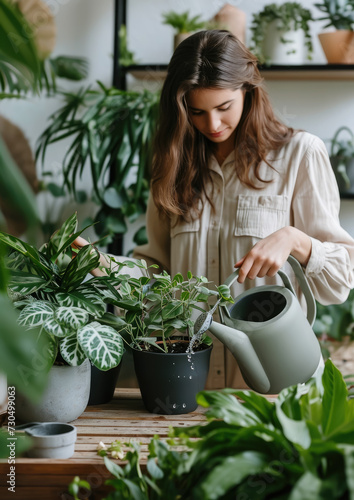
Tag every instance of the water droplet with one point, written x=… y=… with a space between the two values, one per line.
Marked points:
x=184 y=405
x=190 y=376
x=174 y=405
x=178 y=376
x=173 y=364
x=192 y=367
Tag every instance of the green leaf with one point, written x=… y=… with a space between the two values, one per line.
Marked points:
x=35 y=314
x=230 y=472
x=85 y=299
x=26 y=283
x=334 y=399
x=52 y=326
x=85 y=261
x=61 y=236
x=71 y=350
x=71 y=317
x=102 y=345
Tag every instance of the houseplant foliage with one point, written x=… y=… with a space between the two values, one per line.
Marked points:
x=161 y=305
x=18 y=37
x=112 y=130
x=299 y=447
x=337 y=13
x=49 y=288
x=183 y=22
x=342 y=158
x=289 y=16
x=17 y=348
x=337 y=45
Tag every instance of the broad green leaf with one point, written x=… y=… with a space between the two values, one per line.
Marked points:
x=71 y=350
x=295 y=430
x=27 y=283
x=102 y=345
x=349 y=469
x=35 y=314
x=71 y=317
x=334 y=399
x=88 y=300
x=172 y=310
x=230 y=472
x=311 y=487
x=227 y=407
x=52 y=326
x=255 y=402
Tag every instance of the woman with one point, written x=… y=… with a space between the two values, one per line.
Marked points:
x=232 y=186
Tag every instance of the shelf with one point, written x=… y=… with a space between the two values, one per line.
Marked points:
x=276 y=72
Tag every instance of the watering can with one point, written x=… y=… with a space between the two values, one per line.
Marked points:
x=268 y=333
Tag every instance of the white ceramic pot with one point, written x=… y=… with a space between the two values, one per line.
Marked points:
x=291 y=52
x=64 y=399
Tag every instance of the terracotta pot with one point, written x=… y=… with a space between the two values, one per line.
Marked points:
x=338 y=46
x=179 y=37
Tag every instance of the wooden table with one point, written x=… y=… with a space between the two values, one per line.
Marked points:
x=123 y=418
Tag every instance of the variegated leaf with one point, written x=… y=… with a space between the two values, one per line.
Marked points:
x=102 y=345
x=71 y=351
x=36 y=314
x=71 y=317
x=91 y=302
x=52 y=326
x=53 y=345
x=26 y=283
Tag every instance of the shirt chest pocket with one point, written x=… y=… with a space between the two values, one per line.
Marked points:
x=260 y=216
x=184 y=228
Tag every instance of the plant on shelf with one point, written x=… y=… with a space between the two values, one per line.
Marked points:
x=170 y=363
x=281 y=33
x=342 y=159
x=337 y=45
x=112 y=130
x=184 y=24
x=298 y=447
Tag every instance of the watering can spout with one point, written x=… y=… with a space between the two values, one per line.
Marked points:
x=240 y=346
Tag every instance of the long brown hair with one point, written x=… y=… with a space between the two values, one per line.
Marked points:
x=209 y=59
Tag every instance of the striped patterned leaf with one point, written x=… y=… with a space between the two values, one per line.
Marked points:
x=52 y=326
x=26 y=283
x=71 y=351
x=71 y=317
x=90 y=301
x=102 y=345
x=87 y=259
x=36 y=314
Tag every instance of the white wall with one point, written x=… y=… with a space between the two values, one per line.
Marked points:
x=85 y=28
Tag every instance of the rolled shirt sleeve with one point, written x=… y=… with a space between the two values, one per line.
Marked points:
x=315 y=209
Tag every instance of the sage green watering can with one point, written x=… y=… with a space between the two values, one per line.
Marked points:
x=268 y=333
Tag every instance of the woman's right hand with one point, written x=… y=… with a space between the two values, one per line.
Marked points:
x=78 y=244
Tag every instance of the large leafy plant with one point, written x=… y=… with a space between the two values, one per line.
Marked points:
x=289 y=16
x=301 y=447
x=161 y=305
x=111 y=130
x=337 y=13
x=50 y=289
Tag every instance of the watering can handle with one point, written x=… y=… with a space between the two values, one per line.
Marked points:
x=305 y=288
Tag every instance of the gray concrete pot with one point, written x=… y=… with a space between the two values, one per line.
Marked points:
x=64 y=399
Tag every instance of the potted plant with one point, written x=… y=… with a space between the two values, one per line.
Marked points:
x=111 y=130
x=183 y=24
x=337 y=45
x=49 y=289
x=281 y=34
x=296 y=447
x=170 y=363
x=342 y=159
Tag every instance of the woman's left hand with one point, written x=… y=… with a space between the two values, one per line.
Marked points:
x=268 y=255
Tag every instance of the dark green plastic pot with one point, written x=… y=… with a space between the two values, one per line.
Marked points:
x=170 y=382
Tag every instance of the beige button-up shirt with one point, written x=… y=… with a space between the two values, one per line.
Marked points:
x=303 y=193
